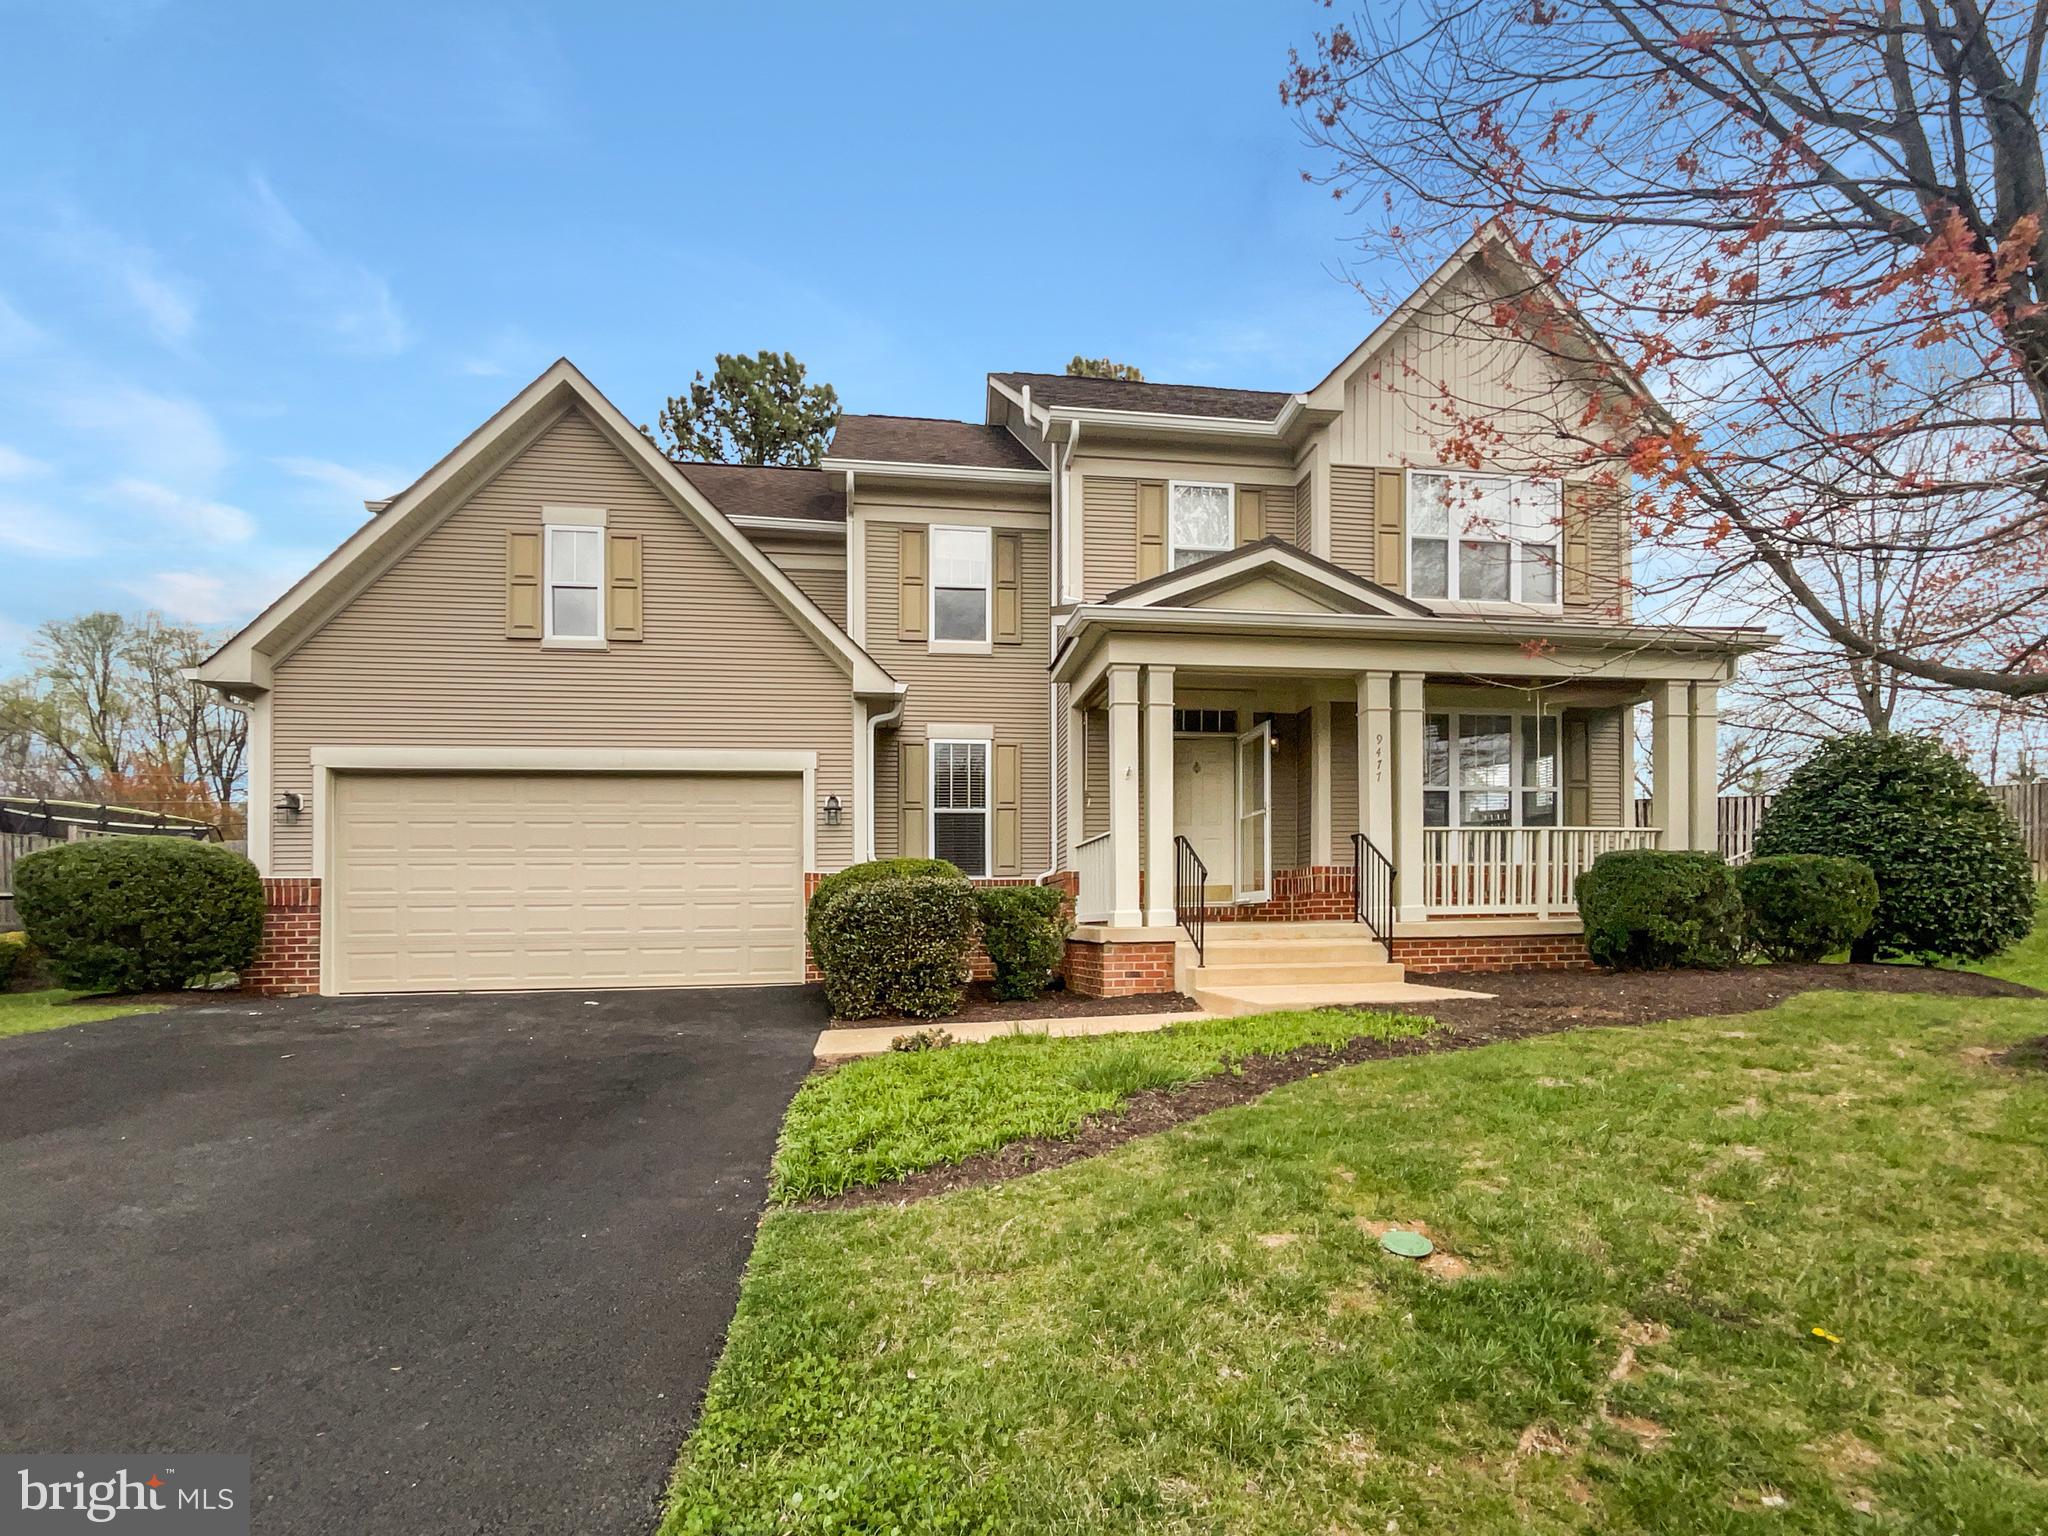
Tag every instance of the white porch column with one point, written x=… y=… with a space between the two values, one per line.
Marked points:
x=1376 y=758
x=1123 y=798
x=1159 y=797
x=1076 y=801
x=1322 y=827
x=1671 y=763
x=1406 y=810
x=1704 y=731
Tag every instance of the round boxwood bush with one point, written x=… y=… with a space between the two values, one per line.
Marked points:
x=853 y=875
x=1805 y=906
x=1644 y=910
x=896 y=944
x=140 y=914
x=1952 y=874
x=13 y=957
x=1024 y=931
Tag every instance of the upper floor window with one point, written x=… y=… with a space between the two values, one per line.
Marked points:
x=1201 y=520
x=575 y=583
x=1483 y=538
x=960 y=586
x=1490 y=770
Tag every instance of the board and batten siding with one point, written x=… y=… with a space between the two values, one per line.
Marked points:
x=420 y=656
x=1006 y=690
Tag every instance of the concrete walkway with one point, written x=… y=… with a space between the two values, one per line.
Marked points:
x=845 y=1044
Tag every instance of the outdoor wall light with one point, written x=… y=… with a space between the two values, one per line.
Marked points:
x=831 y=810
x=288 y=802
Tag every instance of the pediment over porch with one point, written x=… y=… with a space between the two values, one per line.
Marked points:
x=1269 y=575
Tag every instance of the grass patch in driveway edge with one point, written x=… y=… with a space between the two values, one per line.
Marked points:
x=883 y=1117
x=26 y=1013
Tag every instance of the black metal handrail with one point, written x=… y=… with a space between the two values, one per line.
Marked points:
x=1372 y=888
x=1190 y=892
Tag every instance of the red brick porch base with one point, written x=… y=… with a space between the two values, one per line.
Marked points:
x=288 y=960
x=1119 y=969
x=1492 y=952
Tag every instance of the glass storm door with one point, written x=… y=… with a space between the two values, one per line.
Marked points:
x=1255 y=813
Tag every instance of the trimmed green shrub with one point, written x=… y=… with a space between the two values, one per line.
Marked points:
x=140 y=914
x=1647 y=910
x=13 y=957
x=862 y=874
x=1024 y=931
x=897 y=945
x=1953 y=880
x=1805 y=906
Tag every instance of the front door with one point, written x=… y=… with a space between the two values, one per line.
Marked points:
x=1204 y=810
x=1255 y=813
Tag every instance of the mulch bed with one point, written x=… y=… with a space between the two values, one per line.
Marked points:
x=981 y=1005
x=148 y=999
x=1525 y=1004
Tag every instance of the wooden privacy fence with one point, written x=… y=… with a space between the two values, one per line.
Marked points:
x=1736 y=818
x=13 y=845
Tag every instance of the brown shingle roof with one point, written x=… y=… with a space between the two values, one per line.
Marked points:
x=927 y=440
x=750 y=490
x=1170 y=399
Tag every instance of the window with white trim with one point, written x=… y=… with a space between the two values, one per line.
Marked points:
x=1201 y=520
x=575 y=583
x=1483 y=538
x=960 y=586
x=959 y=804
x=1490 y=770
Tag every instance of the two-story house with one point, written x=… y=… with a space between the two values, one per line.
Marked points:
x=565 y=713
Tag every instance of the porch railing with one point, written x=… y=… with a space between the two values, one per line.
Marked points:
x=1488 y=871
x=1372 y=888
x=1191 y=893
x=1096 y=898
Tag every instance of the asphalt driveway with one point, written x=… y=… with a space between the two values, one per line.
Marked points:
x=452 y=1264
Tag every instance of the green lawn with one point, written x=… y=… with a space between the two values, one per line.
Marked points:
x=23 y=1013
x=1197 y=1332
x=2026 y=961
x=882 y=1117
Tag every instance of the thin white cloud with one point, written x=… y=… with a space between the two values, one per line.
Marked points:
x=171 y=439
x=16 y=465
x=194 y=516
x=346 y=299
x=511 y=351
x=190 y=597
x=358 y=484
x=165 y=302
x=32 y=529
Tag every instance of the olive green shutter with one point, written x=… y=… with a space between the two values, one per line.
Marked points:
x=1578 y=550
x=1151 y=529
x=1009 y=605
x=622 y=586
x=1388 y=525
x=1251 y=514
x=911 y=792
x=1008 y=839
x=1578 y=772
x=522 y=585
x=910 y=589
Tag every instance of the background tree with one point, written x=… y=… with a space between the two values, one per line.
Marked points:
x=1102 y=368
x=105 y=712
x=752 y=410
x=1774 y=209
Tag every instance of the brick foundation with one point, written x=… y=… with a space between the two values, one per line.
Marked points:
x=1493 y=952
x=1314 y=893
x=288 y=960
x=1119 y=970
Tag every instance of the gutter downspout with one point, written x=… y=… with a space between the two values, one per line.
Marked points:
x=866 y=826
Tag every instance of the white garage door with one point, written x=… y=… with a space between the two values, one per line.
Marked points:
x=515 y=882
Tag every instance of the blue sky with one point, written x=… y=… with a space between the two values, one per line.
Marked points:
x=261 y=261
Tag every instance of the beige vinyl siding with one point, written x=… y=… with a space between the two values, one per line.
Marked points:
x=1351 y=525
x=1290 y=804
x=1095 y=777
x=1344 y=782
x=420 y=656
x=1109 y=523
x=825 y=588
x=1279 y=513
x=1304 y=514
x=1006 y=690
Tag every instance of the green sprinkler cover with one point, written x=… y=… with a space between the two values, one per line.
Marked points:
x=1409 y=1245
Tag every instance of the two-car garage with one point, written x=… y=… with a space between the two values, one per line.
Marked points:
x=452 y=879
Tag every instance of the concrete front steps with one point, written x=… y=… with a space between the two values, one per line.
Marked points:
x=1255 y=967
